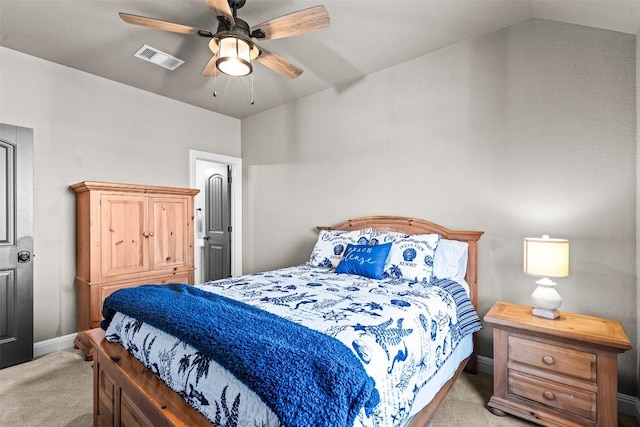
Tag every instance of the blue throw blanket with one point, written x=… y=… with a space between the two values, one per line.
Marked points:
x=305 y=377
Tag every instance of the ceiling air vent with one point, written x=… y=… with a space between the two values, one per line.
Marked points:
x=153 y=55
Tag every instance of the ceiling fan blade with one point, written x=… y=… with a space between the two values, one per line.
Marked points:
x=293 y=24
x=222 y=10
x=278 y=64
x=210 y=70
x=163 y=25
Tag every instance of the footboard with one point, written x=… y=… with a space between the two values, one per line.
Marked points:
x=125 y=393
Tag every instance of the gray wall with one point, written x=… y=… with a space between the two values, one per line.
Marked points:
x=89 y=128
x=526 y=131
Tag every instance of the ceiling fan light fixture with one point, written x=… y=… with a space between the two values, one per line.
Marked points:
x=235 y=56
x=232 y=44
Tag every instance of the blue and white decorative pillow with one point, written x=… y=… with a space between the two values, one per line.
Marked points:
x=411 y=256
x=365 y=260
x=331 y=245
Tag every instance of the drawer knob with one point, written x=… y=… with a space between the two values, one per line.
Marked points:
x=548 y=360
x=549 y=395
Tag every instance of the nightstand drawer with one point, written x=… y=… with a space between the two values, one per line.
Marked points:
x=571 y=400
x=560 y=360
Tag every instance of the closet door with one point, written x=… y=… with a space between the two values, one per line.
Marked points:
x=168 y=244
x=124 y=235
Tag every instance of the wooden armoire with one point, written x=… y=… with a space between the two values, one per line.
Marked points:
x=128 y=235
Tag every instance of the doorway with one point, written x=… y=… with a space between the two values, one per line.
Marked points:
x=217 y=231
x=201 y=166
x=16 y=245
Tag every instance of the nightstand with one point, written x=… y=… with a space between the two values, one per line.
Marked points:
x=561 y=372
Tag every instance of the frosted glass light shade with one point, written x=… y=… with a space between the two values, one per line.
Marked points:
x=234 y=57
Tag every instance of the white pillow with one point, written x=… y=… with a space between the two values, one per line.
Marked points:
x=331 y=244
x=450 y=260
x=411 y=256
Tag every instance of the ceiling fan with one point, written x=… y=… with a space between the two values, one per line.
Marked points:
x=232 y=44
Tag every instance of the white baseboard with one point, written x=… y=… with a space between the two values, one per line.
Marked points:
x=629 y=405
x=41 y=348
x=626 y=404
x=485 y=365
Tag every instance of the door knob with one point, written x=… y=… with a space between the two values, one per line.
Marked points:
x=24 y=256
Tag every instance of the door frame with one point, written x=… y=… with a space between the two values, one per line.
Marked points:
x=200 y=158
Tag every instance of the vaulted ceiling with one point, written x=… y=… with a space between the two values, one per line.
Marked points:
x=364 y=36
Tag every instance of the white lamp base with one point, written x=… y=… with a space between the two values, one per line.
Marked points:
x=546 y=299
x=546 y=313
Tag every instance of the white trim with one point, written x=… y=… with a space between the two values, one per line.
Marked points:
x=485 y=365
x=236 y=200
x=41 y=348
x=628 y=405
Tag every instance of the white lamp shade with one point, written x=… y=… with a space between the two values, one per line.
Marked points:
x=546 y=257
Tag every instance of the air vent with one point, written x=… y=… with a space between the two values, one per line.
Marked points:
x=153 y=55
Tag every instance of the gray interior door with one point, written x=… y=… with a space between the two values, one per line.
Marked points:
x=16 y=245
x=217 y=236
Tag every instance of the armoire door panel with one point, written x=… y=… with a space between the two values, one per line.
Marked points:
x=168 y=240
x=124 y=235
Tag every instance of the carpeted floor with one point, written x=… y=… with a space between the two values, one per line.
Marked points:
x=56 y=391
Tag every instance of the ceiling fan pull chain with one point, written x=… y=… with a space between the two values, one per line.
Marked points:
x=252 y=101
x=215 y=85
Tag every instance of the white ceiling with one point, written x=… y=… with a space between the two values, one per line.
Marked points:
x=365 y=36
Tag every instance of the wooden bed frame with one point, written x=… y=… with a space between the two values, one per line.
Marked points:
x=125 y=393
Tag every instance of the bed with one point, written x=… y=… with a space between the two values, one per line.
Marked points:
x=128 y=392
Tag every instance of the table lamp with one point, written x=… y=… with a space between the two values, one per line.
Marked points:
x=546 y=257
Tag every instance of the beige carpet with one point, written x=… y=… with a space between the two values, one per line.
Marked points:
x=55 y=391
x=465 y=405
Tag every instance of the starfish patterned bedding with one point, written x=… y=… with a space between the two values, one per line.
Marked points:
x=400 y=333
